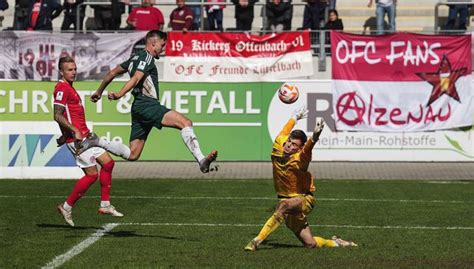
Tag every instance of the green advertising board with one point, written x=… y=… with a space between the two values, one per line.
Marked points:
x=229 y=117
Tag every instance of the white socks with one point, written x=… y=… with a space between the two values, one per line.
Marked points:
x=116 y=148
x=190 y=139
x=104 y=203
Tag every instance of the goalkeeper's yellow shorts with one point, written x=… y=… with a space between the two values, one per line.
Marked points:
x=297 y=222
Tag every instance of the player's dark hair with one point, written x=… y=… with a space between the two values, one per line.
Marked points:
x=300 y=135
x=156 y=33
x=65 y=59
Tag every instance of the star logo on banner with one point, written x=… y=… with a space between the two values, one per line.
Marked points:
x=443 y=81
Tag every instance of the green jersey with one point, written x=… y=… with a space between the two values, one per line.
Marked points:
x=148 y=85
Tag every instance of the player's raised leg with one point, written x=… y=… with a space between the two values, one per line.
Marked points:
x=177 y=120
x=107 y=165
x=114 y=147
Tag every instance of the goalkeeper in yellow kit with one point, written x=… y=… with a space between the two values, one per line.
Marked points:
x=294 y=186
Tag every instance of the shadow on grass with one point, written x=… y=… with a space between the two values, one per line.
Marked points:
x=56 y=226
x=134 y=234
x=124 y=234
x=272 y=245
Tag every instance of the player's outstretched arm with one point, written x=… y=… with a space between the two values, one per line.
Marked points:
x=117 y=71
x=298 y=114
x=127 y=87
x=318 y=129
x=308 y=146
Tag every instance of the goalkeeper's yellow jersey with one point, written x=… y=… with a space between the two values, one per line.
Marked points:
x=290 y=173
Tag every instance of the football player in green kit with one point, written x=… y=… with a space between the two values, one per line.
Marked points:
x=146 y=112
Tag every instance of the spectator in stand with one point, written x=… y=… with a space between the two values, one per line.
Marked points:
x=384 y=7
x=118 y=8
x=279 y=15
x=181 y=18
x=455 y=10
x=311 y=15
x=41 y=15
x=146 y=17
x=197 y=10
x=70 y=14
x=109 y=17
x=244 y=14
x=22 y=9
x=334 y=23
x=215 y=14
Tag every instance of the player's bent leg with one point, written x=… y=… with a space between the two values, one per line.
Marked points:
x=136 y=148
x=92 y=140
x=290 y=206
x=298 y=224
x=114 y=147
x=107 y=164
x=269 y=227
x=305 y=236
x=174 y=119
x=80 y=188
x=177 y=120
x=283 y=208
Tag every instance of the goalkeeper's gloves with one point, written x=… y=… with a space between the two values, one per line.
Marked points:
x=318 y=128
x=300 y=113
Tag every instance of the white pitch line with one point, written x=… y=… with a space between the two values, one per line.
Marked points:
x=314 y=225
x=77 y=249
x=244 y=198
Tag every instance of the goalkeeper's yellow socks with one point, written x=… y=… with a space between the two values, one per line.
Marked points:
x=270 y=226
x=321 y=242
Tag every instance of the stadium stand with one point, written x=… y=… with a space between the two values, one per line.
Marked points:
x=414 y=16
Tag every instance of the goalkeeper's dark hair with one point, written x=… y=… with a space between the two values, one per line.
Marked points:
x=156 y=33
x=300 y=135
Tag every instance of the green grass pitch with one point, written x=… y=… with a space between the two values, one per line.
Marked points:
x=173 y=223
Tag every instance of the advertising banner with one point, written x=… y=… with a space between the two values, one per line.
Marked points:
x=34 y=55
x=401 y=82
x=240 y=120
x=237 y=57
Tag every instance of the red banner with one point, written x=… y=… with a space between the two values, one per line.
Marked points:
x=401 y=82
x=396 y=57
x=228 y=57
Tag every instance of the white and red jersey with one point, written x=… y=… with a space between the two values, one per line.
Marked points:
x=65 y=95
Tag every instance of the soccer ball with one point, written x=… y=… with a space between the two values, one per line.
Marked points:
x=288 y=94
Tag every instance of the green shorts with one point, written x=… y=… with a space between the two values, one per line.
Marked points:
x=146 y=114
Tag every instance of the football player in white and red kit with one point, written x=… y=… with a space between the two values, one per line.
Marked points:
x=69 y=114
